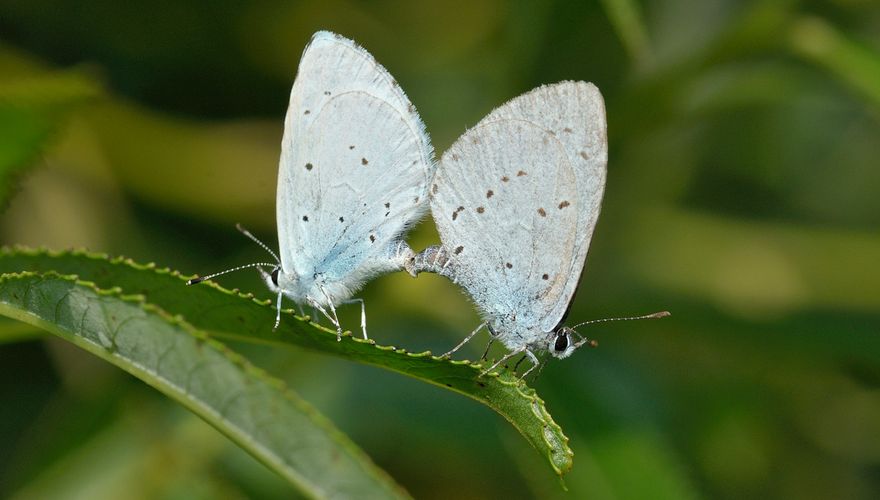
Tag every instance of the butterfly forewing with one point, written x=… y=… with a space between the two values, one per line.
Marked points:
x=355 y=162
x=505 y=204
x=574 y=112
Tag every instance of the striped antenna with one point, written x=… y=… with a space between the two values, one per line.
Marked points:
x=257 y=241
x=200 y=279
x=656 y=315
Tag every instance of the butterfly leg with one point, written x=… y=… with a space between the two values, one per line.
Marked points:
x=317 y=308
x=278 y=309
x=535 y=363
x=465 y=341
x=363 y=315
x=335 y=318
x=488 y=345
x=516 y=366
x=502 y=360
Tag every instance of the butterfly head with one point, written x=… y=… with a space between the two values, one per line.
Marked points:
x=271 y=277
x=561 y=344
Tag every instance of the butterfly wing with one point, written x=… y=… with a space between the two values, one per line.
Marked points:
x=515 y=202
x=574 y=112
x=355 y=164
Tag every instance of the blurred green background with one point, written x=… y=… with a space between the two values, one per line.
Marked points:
x=743 y=195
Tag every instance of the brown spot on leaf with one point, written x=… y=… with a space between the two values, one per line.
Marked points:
x=387 y=204
x=489 y=193
x=351 y=147
x=309 y=166
x=364 y=161
x=584 y=155
x=505 y=179
x=508 y=265
x=480 y=210
x=341 y=219
x=520 y=173
x=564 y=204
x=545 y=276
x=372 y=239
x=542 y=212
x=566 y=129
x=458 y=249
x=455 y=213
x=305 y=218
x=306 y=112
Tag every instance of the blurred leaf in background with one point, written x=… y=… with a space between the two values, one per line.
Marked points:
x=742 y=196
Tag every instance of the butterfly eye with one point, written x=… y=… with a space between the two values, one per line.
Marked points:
x=561 y=343
x=275 y=276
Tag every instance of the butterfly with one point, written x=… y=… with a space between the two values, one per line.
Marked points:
x=515 y=200
x=355 y=167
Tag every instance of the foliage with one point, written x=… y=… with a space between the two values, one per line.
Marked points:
x=742 y=196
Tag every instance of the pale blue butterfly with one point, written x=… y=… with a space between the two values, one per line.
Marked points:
x=515 y=201
x=355 y=167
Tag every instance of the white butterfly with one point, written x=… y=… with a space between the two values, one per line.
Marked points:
x=515 y=201
x=355 y=167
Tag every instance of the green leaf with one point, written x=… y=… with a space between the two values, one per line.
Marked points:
x=240 y=317
x=257 y=412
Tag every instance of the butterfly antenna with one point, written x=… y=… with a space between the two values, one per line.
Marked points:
x=656 y=315
x=200 y=279
x=257 y=241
